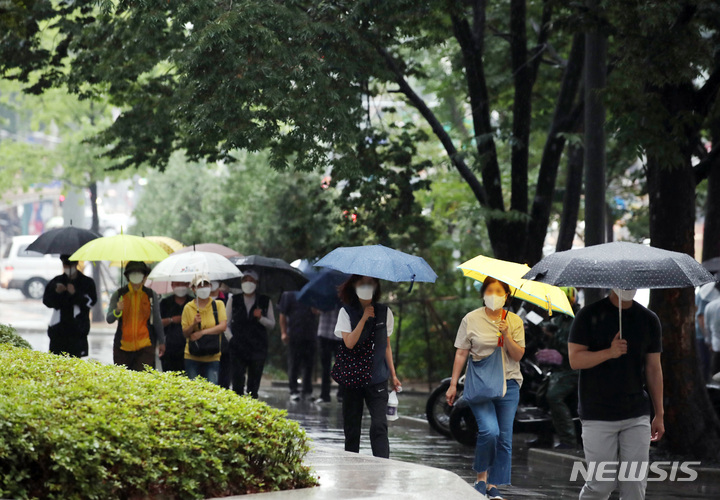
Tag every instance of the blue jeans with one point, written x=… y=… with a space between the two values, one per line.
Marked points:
x=209 y=370
x=493 y=450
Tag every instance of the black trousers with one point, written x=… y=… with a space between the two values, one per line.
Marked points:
x=301 y=358
x=715 y=363
x=376 y=398
x=254 y=369
x=328 y=349
x=225 y=377
x=173 y=363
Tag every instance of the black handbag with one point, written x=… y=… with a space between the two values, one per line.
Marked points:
x=207 y=345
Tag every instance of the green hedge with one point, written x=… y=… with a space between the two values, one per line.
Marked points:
x=79 y=429
x=8 y=335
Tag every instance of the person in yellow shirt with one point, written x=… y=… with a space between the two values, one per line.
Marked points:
x=203 y=323
x=136 y=308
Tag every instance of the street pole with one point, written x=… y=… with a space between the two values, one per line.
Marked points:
x=595 y=78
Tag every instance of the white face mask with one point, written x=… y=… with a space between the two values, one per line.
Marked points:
x=202 y=293
x=136 y=278
x=70 y=271
x=214 y=285
x=625 y=295
x=494 y=302
x=180 y=291
x=365 y=292
x=248 y=287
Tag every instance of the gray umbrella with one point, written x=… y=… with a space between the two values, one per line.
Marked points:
x=620 y=265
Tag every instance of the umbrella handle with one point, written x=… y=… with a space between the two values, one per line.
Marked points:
x=412 y=282
x=620 y=315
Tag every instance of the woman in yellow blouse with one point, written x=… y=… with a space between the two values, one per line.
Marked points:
x=203 y=318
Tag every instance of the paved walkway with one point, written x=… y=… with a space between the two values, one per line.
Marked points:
x=346 y=475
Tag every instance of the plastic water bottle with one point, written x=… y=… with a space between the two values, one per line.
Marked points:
x=392 y=406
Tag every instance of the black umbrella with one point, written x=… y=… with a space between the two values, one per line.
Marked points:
x=321 y=292
x=63 y=240
x=620 y=265
x=275 y=275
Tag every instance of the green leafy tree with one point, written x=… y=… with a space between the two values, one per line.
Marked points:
x=664 y=97
x=211 y=77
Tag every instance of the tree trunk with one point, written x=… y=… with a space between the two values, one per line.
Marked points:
x=711 y=232
x=571 y=199
x=97 y=310
x=522 y=107
x=595 y=76
x=672 y=227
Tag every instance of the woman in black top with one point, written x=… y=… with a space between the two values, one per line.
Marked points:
x=363 y=319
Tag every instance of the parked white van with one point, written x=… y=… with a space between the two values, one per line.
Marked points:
x=27 y=271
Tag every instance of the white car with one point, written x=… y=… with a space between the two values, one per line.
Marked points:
x=27 y=271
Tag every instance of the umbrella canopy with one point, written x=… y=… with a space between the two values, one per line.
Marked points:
x=620 y=265
x=275 y=275
x=379 y=262
x=321 y=292
x=170 y=245
x=122 y=247
x=185 y=266
x=546 y=296
x=62 y=240
x=211 y=247
x=306 y=267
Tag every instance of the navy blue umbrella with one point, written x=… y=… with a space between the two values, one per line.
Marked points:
x=379 y=262
x=321 y=292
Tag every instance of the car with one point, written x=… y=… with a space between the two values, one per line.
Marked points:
x=27 y=271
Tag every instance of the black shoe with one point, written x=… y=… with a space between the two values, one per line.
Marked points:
x=539 y=443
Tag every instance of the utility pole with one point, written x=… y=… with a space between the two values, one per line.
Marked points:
x=595 y=78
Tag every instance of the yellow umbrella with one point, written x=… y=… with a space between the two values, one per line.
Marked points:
x=170 y=245
x=546 y=296
x=121 y=247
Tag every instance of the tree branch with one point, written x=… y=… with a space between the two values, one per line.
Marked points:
x=471 y=45
x=437 y=128
x=711 y=161
x=707 y=94
x=542 y=40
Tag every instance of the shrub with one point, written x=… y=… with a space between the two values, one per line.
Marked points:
x=8 y=335
x=79 y=429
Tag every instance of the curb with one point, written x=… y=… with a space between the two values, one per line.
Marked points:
x=345 y=475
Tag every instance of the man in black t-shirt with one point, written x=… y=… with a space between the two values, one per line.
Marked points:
x=614 y=406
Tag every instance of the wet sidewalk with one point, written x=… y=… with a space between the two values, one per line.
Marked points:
x=350 y=475
x=536 y=473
